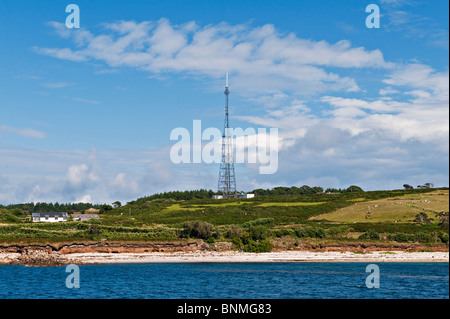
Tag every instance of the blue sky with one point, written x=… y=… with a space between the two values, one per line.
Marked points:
x=86 y=114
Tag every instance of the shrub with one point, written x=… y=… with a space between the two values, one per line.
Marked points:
x=259 y=221
x=443 y=237
x=423 y=237
x=258 y=247
x=337 y=231
x=217 y=234
x=401 y=237
x=197 y=229
x=280 y=232
x=93 y=231
x=370 y=234
x=9 y=217
x=234 y=231
x=312 y=232
x=237 y=242
x=301 y=232
x=258 y=232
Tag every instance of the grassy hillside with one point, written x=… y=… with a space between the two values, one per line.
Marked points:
x=401 y=209
x=408 y=216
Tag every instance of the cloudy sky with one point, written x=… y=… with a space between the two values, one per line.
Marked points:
x=86 y=114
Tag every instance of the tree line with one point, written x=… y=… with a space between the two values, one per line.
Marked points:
x=29 y=208
x=39 y=207
x=304 y=190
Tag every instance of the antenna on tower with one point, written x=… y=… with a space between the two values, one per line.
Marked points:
x=227 y=178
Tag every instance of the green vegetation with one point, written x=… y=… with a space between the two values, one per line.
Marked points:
x=29 y=208
x=304 y=214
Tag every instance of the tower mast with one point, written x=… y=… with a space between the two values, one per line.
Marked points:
x=227 y=178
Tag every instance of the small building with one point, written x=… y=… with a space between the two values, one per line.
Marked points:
x=49 y=217
x=82 y=217
x=245 y=195
x=217 y=197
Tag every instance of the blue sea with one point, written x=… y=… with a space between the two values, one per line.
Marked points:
x=228 y=280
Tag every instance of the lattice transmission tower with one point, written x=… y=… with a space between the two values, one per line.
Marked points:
x=227 y=177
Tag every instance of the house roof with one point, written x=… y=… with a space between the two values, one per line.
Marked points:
x=50 y=214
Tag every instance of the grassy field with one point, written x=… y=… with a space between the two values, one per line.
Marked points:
x=289 y=204
x=397 y=209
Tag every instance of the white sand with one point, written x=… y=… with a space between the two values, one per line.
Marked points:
x=232 y=256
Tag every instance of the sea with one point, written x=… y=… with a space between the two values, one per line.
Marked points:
x=227 y=281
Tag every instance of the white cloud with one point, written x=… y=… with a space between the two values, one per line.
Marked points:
x=24 y=132
x=124 y=186
x=80 y=177
x=259 y=58
x=57 y=85
x=79 y=99
x=84 y=199
x=65 y=54
x=388 y=91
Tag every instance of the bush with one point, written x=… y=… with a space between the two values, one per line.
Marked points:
x=311 y=232
x=281 y=232
x=260 y=221
x=337 y=231
x=423 y=237
x=234 y=231
x=264 y=246
x=258 y=232
x=370 y=234
x=443 y=237
x=9 y=217
x=197 y=229
x=401 y=237
x=237 y=242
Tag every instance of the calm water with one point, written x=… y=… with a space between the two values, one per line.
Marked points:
x=228 y=280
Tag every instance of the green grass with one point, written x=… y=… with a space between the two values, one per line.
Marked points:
x=340 y=216
x=289 y=204
x=398 y=209
x=357 y=200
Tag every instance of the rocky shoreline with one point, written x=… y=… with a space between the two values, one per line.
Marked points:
x=199 y=251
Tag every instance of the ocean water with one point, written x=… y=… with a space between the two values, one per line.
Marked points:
x=228 y=280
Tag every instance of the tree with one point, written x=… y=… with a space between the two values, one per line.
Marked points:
x=354 y=189
x=197 y=229
x=117 y=204
x=258 y=232
x=105 y=208
x=407 y=186
x=318 y=189
x=234 y=231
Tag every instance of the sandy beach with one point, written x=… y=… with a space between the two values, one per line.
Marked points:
x=234 y=256
x=198 y=252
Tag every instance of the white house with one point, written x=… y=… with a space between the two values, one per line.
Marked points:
x=245 y=195
x=50 y=217
x=236 y=196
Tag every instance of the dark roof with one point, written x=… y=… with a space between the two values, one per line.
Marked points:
x=51 y=214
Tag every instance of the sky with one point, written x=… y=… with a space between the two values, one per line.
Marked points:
x=86 y=113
